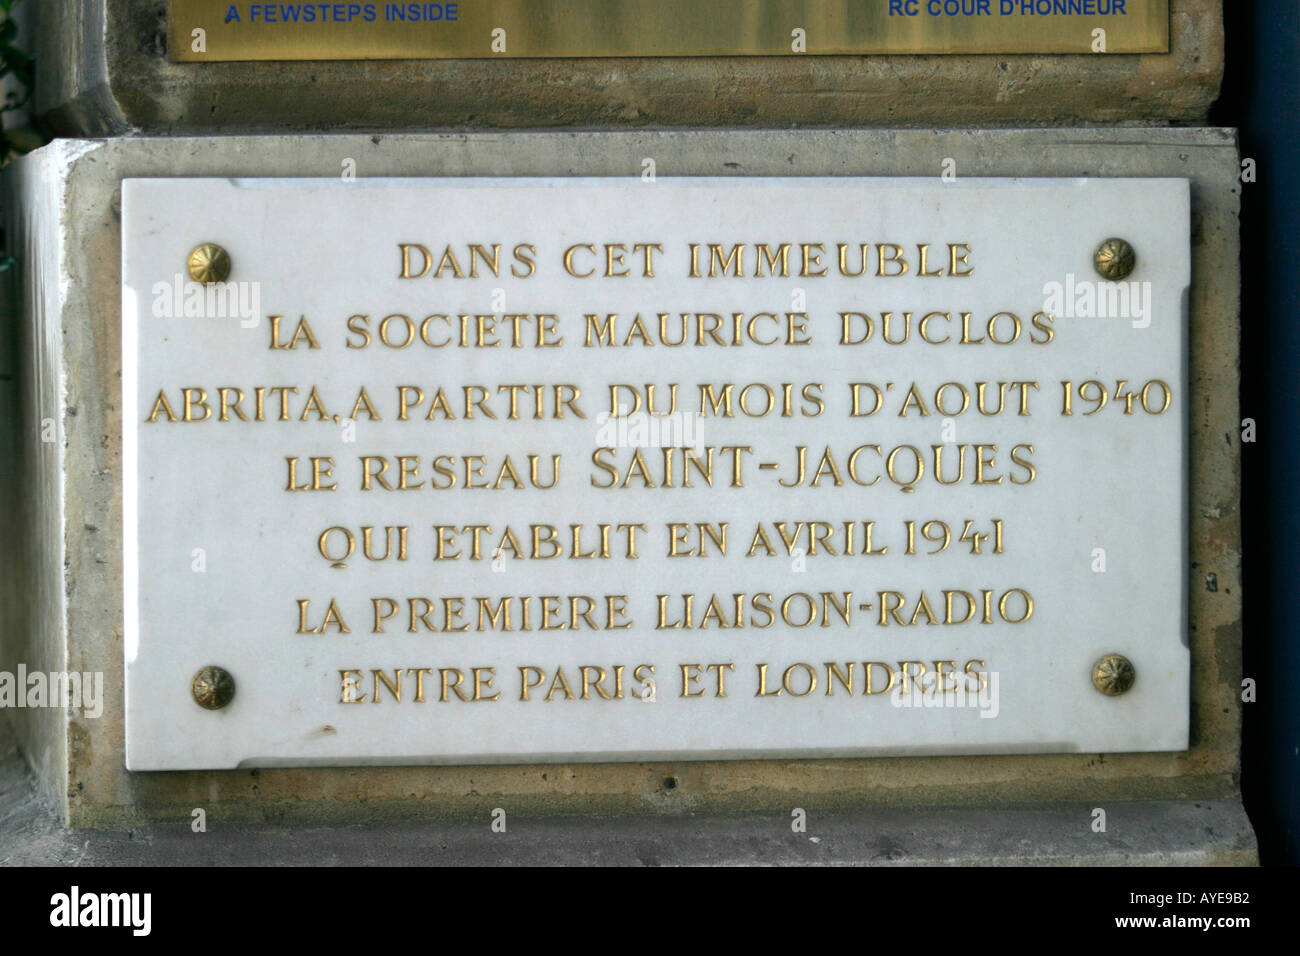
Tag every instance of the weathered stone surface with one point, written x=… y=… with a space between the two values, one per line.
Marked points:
x=71 y=509
x=33 y=626
x=104 y=69
x=1157 y=833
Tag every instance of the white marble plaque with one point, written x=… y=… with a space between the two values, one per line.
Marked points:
x=925 y=469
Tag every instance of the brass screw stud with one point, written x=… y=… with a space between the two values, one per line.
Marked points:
x=208 y=263
x=1113 y=675
x=213 y=688
x=1115 y=259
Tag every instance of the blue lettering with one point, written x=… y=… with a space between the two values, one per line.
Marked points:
x=958 y=8
x=1043 y=8
x=421 y=12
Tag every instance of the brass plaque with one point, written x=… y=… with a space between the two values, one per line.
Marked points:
x=202 y=30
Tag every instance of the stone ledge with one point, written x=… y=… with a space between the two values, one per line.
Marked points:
x=1156 y=833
